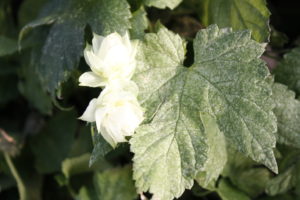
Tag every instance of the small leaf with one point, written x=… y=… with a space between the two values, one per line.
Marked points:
x=238 y=14
x=115 y=184
x=139 y=23
x=101 y=148
x=7 y=46
x=288 y=70
x=229 y=192
x=80 y=164
x=287 y=111
x=162 y=3
x=289 y=176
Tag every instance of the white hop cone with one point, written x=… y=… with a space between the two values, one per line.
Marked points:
x=116 y=111
x=111 y=57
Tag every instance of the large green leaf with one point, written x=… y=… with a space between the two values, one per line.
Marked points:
x=65 y=42
x=162 y=3
x=287 y=111
x=238 y=14
x=227 y=81
x=288 y=70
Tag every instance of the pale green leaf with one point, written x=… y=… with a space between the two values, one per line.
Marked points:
x=162 y=3
x=216 y=155
x=238 y=14
x=288 y=70
x=227 y=82
x=287 y=111
x=115 y=184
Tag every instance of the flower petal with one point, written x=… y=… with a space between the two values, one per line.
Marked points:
x=89 y=113
x=91 y=79
x=95 y=63
x=97 y=41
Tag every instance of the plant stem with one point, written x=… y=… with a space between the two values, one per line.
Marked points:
x=20 y=183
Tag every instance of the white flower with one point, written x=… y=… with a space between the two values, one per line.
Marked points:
x=111 y=57
x=116 y=111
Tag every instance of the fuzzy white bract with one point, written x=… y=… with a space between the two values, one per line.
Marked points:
x=111 y=57
x=116 y=111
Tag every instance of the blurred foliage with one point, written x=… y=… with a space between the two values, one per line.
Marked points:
x=46 y=153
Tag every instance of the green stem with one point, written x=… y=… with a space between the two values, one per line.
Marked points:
x=20 y=183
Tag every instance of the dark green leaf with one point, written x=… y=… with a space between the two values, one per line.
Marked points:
x=101 y=148
x=7 y=46
x=65 y=42
x=53 y=144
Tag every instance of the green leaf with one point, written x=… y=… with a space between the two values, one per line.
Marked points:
x=288 y=70
x=53 y=144
x=282 y=183
x=86 y=194
x=289 y=176
x=287 y=111
x=238 y=14
x=227 y=81
x=32 y=89
x=65 y=41
x=101 y=147
x=229 y=192
x=115 y=184
x=216 y=155
x=245 y=174
x=162 y=3
x=80 y=164
x=139 y=23
x=7 y=46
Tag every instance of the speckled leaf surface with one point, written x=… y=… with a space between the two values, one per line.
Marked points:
x=287 y=111
x=227 y=81
x=288 y=71
x=238 y=14
x=65 y=42
x=162 y=3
